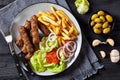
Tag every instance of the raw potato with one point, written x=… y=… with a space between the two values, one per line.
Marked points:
x=114 y=56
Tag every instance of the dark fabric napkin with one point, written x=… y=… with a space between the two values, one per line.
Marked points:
x=86 y=64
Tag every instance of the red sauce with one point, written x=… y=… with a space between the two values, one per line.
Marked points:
x=51 y=57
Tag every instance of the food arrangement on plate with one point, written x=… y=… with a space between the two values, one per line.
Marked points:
x=48 y=40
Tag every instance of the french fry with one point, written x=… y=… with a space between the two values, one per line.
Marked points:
x=71 y=30
x=50 y=15
x=65 y=36
x=62 y=14
x=75 y=31
x=45 y=18
x=65 y=31
x=57 y=29
x=42 y=21
x=73 y=37
x=63 y=23
x=59 y=23
x=54 y=12
x=63 y=41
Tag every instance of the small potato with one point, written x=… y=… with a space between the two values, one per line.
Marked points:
x=109 y=18
x=97 y=31
x=105 y=25
x=101 y=13
x=94 y=16
x=92 y=23
x=97 y=20
x=98 y=25
x=106 y=30
x=102 y=18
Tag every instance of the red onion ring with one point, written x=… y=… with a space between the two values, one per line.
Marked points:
x=64 y=53
x=66 y=47
x=73 y=48
x=57 y=53
x=51 y=37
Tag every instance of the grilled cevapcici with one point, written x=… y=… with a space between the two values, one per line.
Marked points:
x=29 y=37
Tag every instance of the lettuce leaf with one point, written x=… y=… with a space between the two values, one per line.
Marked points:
x=38 y=60
x=82 y=6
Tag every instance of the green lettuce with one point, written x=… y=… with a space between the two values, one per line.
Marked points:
x=82 y=6
x=38 y=60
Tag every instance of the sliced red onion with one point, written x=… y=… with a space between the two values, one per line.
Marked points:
x=57 y=53
x=73 y=48
x=64 y=53
x=51 y=37
x=47 y=43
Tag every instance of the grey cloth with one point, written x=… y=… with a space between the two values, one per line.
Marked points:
x=86 y=64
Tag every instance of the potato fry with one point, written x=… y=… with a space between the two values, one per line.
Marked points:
x=76 y=31
x=59 y=23
x=63 y=23
x=65 y=31
x=62 y=15
x=45 y=18
x=65 y=36
x=42 y=21
x=51 y=16
x=63 y=41
x=59 y=40
x=54 y=12
x=71 y=30
x=57 y=29
x=73 y=37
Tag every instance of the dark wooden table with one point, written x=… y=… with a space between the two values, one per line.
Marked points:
x=110 y=71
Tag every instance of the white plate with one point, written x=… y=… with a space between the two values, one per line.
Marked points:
x=34 y=9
